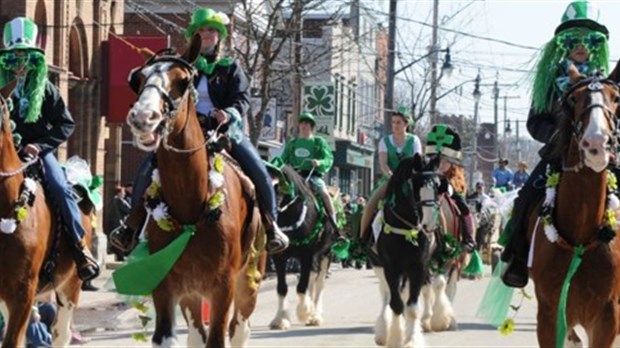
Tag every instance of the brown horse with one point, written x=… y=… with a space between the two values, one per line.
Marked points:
x=34 y=244
x=582 y=250
x=215 y=263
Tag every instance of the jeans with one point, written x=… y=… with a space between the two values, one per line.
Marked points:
x=59 y=189
x=250 y=162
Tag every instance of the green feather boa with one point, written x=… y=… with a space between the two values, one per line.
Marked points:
x=33 y=91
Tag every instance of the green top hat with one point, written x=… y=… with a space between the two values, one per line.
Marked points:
x=403 y=111
x=206 y=17
x=582 y=14
x=20 y=34
x=306 y=116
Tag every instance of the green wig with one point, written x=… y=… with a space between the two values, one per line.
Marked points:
x=32 y=92
x=549 y=64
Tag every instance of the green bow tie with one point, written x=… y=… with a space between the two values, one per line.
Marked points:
x=207 y=68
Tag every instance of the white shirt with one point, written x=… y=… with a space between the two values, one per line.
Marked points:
x=204 y=105
x=417 y=145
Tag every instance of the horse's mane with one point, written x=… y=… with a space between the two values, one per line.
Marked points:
x=297 y=180
x=402 y=173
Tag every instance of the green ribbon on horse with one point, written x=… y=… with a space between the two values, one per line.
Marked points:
x=145 y=271
x=474 y=267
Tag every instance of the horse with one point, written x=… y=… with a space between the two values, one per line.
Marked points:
x=405 y=230
x=35 y=254
x=224 y=258
x=310 y=242
x=574 y=251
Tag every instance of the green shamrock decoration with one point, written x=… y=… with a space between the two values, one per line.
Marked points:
x=440 y=137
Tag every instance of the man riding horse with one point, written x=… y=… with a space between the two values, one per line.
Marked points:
x=223 y=100
x=311 y=156
x=42 y=122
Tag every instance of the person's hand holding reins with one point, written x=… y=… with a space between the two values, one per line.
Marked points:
x=220 y=115
x=315 y=163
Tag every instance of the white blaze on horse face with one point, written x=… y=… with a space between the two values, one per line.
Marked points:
x=427 y=194
x=145 y=115
x=595 y=137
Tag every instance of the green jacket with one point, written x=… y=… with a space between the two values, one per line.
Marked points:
x=299 y=153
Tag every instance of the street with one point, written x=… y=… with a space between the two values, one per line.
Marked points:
x=351 y=304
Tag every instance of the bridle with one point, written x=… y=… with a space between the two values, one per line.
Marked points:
x=427 y=178
x=594 y=84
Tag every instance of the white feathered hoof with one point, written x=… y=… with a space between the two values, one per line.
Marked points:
x=381 y=330
x=314 y=320
x=305 y=307
x=281 y=324
x=426 y=324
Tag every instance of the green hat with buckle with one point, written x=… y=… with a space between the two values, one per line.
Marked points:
x=405 y=113
x=208 y=18
x=306 y=116
x=445 y=141
x=20 y=34
x=582 y=14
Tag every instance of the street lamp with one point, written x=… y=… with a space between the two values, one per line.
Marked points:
x=446 y=67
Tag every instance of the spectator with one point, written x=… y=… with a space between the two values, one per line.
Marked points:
x=119 y=208
x=521 y=175
x=502 y=175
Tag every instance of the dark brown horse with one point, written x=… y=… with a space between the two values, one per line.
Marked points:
x=216 y=262
x=24 y=252
x=582 y=251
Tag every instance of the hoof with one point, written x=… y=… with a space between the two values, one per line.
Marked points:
x=314 y=321
x=281 y=325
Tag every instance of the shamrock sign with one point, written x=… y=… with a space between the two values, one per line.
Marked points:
x=440 y=137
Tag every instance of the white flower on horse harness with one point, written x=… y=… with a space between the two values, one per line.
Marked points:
x=9 y=225
x=553 y=179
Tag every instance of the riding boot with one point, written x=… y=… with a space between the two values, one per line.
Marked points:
x=330 y=210
x=277 y=241
x=125 y=237
x=467 y=232
x=87 y=266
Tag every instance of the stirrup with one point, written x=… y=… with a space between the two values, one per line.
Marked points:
x=124 y=239
x=87 y=266
x=278 y=242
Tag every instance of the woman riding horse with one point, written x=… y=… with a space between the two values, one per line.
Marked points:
x=579 y=40
x=223 y=100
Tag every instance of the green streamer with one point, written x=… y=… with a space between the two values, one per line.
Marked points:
x=575 y=262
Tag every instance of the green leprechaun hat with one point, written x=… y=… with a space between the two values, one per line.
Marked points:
x=20 y=34
x=206 y=17
x=306 y=116
x=405 y=113
x=582 y=14
x=445 y=141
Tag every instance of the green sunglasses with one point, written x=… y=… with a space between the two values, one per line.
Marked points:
x=590 y=40
x=10 y=60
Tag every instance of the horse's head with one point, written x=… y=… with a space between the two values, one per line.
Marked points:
x=412 y=192
x=5 y=122
x=162 y=84
x=590 y=121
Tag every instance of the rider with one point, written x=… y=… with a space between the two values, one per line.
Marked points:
x=580 y=40
x=399 y=144
x=310 y=155
x=42 y=123
x=503 y=175
x=223 y=98
x=446 y=143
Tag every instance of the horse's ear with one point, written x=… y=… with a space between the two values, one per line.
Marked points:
x=615 y=74
x=418 y=162
x=193 y=49
x=7 y=90
x=575 y=75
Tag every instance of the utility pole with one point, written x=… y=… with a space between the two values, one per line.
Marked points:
x=297 y=84
x=506 y=97
x=518 y=140
x=474 y=158
x=496 y=86
x=434 y=52
x=388 y=106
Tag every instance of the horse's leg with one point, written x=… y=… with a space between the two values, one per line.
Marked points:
x=245 y=303
x=546 y=323
x=381 y=323
x=164 y=303
x=428 y=297
x=413 y=330
x=221 y=299
x=67 y=297
x=602 y=335
x=393 y=277
x=191 y=307
x=282 y=320
x=443 y=314
x=19 y=314
x=573 y=340
x=453 y=278
x=304 y=305
x=316 y=319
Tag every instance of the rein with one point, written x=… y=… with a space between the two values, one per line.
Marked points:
x=20 y=169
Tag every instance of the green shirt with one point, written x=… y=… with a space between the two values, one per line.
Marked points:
x=393 y=157
x=300 y=152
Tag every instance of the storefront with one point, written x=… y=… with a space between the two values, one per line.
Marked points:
x=353 y=168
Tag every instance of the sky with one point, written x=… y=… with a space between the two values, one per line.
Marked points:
x=525 y=25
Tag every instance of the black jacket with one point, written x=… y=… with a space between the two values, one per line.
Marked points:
x=228 y=87
x=54 y=126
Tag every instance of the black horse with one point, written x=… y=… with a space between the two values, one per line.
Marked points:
x=405 y=230
x=310 y=243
